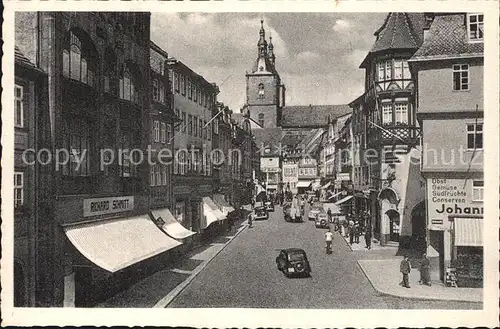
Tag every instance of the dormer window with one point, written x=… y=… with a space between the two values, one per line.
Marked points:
x=475 y=27
x=261 y=90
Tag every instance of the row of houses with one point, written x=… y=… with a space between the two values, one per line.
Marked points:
x=411 y=152
x=407 y=154
x=118 y=162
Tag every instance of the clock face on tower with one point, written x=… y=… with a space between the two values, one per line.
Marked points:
x=261 y=68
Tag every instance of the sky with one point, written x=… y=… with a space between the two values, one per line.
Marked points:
x=317 y=54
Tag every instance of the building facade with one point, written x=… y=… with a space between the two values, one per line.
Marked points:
x=391 y=130
x=450 y=109
x=32 y=185
x=194 y=100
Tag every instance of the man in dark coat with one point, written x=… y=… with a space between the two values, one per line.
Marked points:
x=368 y=238
x=424 y=271
x=405 y=269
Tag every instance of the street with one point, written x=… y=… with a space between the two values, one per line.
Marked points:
x=244 y=274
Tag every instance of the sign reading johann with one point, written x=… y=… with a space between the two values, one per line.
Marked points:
x=451 y=197
x=101 y=206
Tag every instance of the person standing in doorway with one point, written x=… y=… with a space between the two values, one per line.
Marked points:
x=405 y=269
x=424 y=270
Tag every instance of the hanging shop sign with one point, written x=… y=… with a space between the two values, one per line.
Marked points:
x=102 y=206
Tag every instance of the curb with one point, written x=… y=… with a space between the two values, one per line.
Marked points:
x=165 y=301
x=413 y=297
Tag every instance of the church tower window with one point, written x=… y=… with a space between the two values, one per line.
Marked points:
x=261 y=90
x=261 y=120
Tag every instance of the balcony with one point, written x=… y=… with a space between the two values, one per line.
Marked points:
x=396 y=133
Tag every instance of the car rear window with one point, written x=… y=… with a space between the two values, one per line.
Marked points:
x=296 y=257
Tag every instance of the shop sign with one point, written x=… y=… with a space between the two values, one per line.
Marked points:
x=450 y=197
x=102 y=206
x=271 y=169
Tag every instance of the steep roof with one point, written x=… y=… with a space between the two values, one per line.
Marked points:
x=311 y=116
x=268 y=138
x=265 y=63
x=399 y=31
x=22 y=60
x=447 y=38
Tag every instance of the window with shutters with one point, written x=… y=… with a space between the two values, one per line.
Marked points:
x=18 y=189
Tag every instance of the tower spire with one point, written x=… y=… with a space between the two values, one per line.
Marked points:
x=262 y=44
x=272 y=57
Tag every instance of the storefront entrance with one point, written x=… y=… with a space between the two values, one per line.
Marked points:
x=394 y=224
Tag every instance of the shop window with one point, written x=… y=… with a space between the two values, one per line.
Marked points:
x=18 y=106
x=461 y=77
x=475 y=136
x=478 y=190
x=18 y=189
x=475 y=27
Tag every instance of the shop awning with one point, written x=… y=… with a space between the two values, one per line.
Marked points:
x=210 y=216
x=334 y=195
x=344 y=200
x=326 y=185
x=304 y=183
x=224 y=205
x=468 y=232
x=208 y=201
x=172 y=227
x=119 y=243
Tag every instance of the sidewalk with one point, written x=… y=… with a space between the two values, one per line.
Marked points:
x=160 y=288
x=384 y=276
x=380 y=265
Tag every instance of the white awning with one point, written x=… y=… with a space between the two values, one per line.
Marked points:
x=172 y=227
x=119 y=243
x=341 y=201
x=210 y=216
x=211 y=204
x=326 y=185
x=334 y=195
x=304 y=183
x=468 y=232
x=227 y=209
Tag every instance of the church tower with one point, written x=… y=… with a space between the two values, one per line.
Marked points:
x=265 y=93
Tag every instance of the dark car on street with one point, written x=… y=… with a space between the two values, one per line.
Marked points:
x=261 y=213
x=293 y=261
x=270 y=206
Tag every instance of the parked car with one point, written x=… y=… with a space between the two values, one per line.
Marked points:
x=322 y=220
x=269 y=206
x=315 y=210
x=261 y=213
x=293 y=261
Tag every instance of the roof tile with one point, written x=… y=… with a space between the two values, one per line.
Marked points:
x=311 y=116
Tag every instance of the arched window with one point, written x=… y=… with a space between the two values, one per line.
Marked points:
x=79 y=60
x=128 y=86
x=261 y=119
x=261 y=90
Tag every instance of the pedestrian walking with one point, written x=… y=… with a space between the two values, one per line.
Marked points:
x=405 y=269
x=424 y=270
x=357 y=232
x=329 y=213
x=368 y=238
x=250 y=219
x=351 y=231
